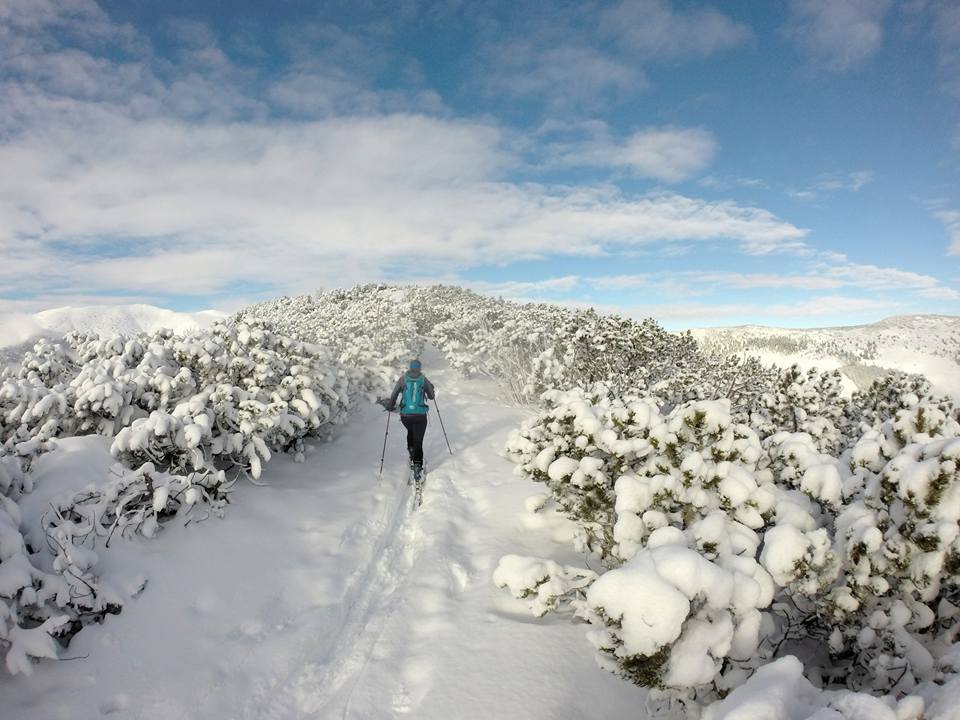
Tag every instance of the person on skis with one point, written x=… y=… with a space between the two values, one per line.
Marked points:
x=413 y=388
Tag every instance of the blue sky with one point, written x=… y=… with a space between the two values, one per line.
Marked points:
x=792 y=163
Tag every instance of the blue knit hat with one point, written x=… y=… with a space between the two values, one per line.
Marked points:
x=414 y=364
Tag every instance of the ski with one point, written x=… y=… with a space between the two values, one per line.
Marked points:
x=417 y=481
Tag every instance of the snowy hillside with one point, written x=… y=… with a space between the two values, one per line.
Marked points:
x=321 y=595
x=623 y=526
x=18 y=331
x=925 y=344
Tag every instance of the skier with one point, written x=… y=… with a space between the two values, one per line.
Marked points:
x=413 y=388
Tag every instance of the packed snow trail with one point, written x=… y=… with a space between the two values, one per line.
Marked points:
x=323 y=595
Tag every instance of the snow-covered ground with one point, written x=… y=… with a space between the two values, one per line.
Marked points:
x=18 y=331
x=324 y=595
x=925 y=344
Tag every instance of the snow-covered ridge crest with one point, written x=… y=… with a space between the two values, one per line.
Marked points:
x=17 y=328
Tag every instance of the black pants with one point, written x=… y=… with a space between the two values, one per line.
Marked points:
x=416 y=426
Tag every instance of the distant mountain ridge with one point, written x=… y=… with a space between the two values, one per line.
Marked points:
x=122 y=319
x=926 y=344
x=891 y=321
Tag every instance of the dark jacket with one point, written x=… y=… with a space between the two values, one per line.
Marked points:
x=398 y=388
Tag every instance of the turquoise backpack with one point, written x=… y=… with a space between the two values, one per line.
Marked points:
x=412 y=403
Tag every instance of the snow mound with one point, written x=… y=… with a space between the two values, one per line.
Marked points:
x=19 y=329
x=122 y=319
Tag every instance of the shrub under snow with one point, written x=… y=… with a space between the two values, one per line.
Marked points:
x=32 y=601
x=527 y=347
x=183 y=412
x=731 y=544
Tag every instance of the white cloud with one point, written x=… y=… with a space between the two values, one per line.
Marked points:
x=805 y=313
x=653 y=28
x=82 y=19
x=567 y=76
x=576 y=58
x=817 y=276
x=662 y=153
x=809 y=313
x=827 y=305
x=838 y=34
x=727 y=182
x=951 y=221
x=877 y=278
x=751 y=281
x=294 y=201
x=829 y=183
x=851 y=181
x=136 y=174
x=191 y=33
x=859 y=179
x=333 y=93
x=662 y=285
x=939 y=293
x=524 y=289
x=812 y=309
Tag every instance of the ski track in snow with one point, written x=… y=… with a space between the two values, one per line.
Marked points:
x=326 y=595
x=347 y=646
x=325 y=685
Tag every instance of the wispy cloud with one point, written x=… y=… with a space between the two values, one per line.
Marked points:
x=829 y=272
x=566 y=77
x=838 y=34
x=851 y=181
x=875 y=277
x=668 y=154
x=577 y=58
x=23 y=22
x=728 y=182
x=655 y=29
x=830 y=183
x=946 y=33
x=751 y=281
x=523 y=289
x=936 y=24
x=951 y=222
x=939 y=293
x=812 y=310
x=809 y=313
x=818 y=276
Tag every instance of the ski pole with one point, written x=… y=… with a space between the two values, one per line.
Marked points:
x=441 y=425
x=384 y=453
